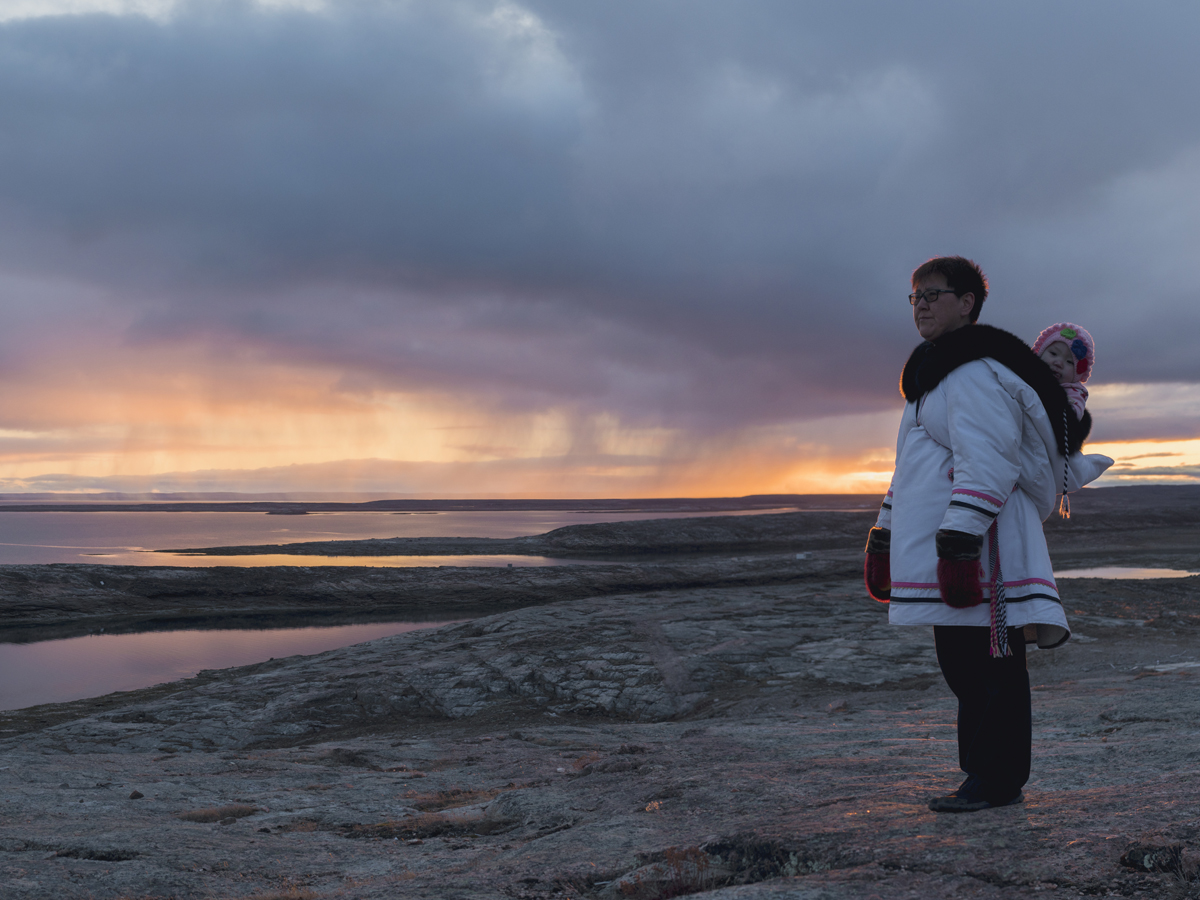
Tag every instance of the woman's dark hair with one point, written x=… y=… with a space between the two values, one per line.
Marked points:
x=962 y=275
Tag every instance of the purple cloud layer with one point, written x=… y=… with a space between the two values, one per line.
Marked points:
x=695 y=213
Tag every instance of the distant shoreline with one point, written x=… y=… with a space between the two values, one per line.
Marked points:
x=808 y=502
x=1116 y=496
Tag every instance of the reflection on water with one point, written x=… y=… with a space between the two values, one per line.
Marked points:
x=1123 y=572
x=141 y=558
x=116 y=538
x=75 y=668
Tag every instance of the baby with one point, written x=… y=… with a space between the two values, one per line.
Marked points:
x=1070 y=353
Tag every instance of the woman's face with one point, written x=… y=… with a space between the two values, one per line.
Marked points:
x=1061 y=360
x=947 y=313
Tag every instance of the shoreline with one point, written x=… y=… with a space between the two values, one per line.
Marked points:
x=661 y=539
x=651 y=554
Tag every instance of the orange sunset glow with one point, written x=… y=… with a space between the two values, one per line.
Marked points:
x=486 y=248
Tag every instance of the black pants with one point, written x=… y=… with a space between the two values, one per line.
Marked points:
x=995 y=729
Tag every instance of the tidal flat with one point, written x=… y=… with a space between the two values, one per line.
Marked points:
x=705 y=714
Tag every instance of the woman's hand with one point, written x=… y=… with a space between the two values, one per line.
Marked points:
x=877 y=571
x=958 y=570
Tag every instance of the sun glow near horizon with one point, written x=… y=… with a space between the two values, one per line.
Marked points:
x=421 y=445
x=1146 y=462
x=215 y=417
x=306 y=429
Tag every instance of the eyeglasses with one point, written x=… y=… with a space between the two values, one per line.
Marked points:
x=930 y=295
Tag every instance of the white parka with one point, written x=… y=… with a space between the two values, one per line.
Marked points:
x=978 y=448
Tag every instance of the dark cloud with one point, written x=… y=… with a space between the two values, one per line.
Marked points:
x=696 y=212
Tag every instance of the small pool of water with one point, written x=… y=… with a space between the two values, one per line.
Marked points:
x=98 y=664
x=200 y=560
x=1130 y=572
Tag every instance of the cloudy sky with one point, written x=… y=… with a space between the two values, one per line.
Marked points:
x=557 y=248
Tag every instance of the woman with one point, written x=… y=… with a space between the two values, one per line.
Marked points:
x=983 y=446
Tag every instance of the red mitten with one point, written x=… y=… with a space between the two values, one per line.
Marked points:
x=958 y=580
x=877 y=571
x=958 y=570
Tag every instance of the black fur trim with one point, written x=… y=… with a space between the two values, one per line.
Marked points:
x=958 y=546
x=932 y=361
x=879 y=540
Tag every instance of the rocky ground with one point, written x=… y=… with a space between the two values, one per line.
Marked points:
x=51 y=601
x=773 y=739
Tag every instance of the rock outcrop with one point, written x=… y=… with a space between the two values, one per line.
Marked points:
x=740 y=742
x=38 y=602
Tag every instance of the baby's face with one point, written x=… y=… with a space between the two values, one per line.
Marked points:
x=1061 y=360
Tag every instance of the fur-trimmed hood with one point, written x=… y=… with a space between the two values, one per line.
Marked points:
x=932 y=361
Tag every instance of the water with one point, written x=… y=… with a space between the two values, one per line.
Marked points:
x=98 y=664
x=124 y=538
x=75 y=668
x=1123 y=572
x=290 y=559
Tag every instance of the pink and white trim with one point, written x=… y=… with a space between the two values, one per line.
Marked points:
x=979 y=495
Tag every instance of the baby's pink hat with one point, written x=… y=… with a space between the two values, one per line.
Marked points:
x=1080 y=342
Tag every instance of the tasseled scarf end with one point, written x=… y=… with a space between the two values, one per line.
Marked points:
x=1064 y=505
x=999 y=608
